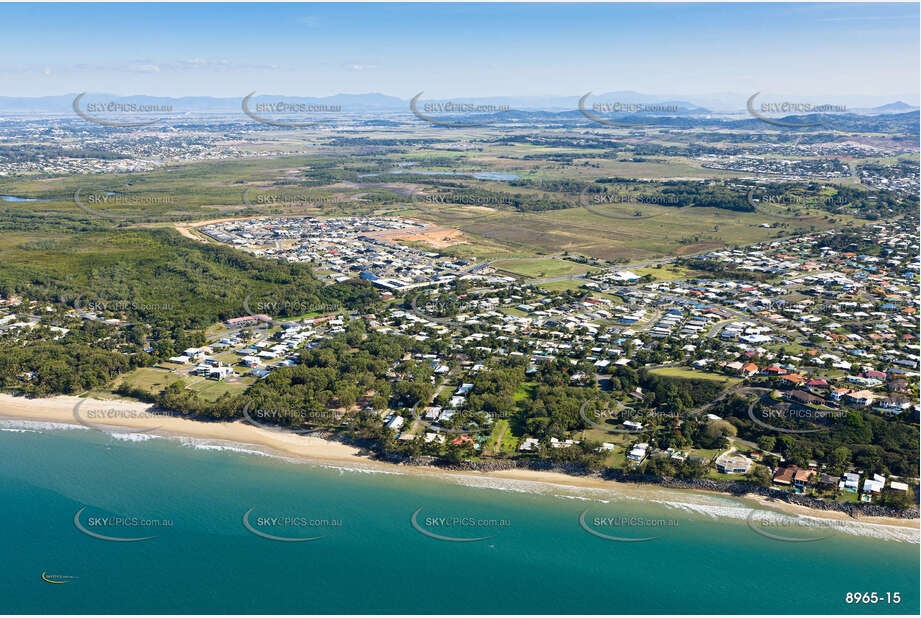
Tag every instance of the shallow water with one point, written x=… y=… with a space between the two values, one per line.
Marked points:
x=538 y=557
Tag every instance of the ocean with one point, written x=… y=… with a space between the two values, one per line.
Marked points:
x=217 y=521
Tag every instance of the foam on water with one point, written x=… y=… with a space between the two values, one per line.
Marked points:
x=206 y=444
x=356 y=468
x=132 y=437
x=590 y=494
x=19 y=426
x=857 y=528
x=704 y=505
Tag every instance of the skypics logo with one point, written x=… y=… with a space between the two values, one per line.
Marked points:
x=628 y=205
x=790 y=108
x=451 y=109
x=621 y=107
x=288 y=420
x=414 y=307
x=282 y=528
x=116 y=114
x=628 y=416
x=443 y=205
x=792 y=529
x=459 y=522
x=119 y=526
x=279 y=199
x=802 y=414
x=618 y=523
x=109 y=419
x=57 y=579
x=261 y=311
x=608 y=428
x=91 y=201
x=768 y=204
x=97 y=309
x=289 y=108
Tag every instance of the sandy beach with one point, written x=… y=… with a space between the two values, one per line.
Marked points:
x=124 y=415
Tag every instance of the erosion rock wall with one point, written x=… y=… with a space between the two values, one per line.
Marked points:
x=737 y=488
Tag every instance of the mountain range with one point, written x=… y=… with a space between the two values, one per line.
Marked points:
x=718 y=103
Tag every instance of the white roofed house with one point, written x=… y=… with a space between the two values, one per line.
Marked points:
x=861 y=398
x=638 y=452
x=850 y=481
x=220 y=373
x=874 y=485
x=529 y=444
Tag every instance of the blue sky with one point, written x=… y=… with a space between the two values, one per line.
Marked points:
x=457 y=50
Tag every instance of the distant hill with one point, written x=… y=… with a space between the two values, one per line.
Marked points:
x=898 y=106
x=563 y=110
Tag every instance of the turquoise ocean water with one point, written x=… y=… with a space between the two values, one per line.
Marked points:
x=370 y=558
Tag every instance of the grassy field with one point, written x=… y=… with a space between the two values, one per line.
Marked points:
x=524 y=391
x=562 y=286
x=667 y=272
x=212 y=390
x=577 y=230
x=542 y=269
x=201 y=191
x=149 y=379
x=494 y=442
x=688 y=374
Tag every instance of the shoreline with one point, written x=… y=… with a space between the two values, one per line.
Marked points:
x=135 y=416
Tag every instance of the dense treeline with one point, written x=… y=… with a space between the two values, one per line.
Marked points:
x=51 y=368
x=165 y=280
x=874 y=443
x=835 y=199
x=170 y=287
x=352 y=368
